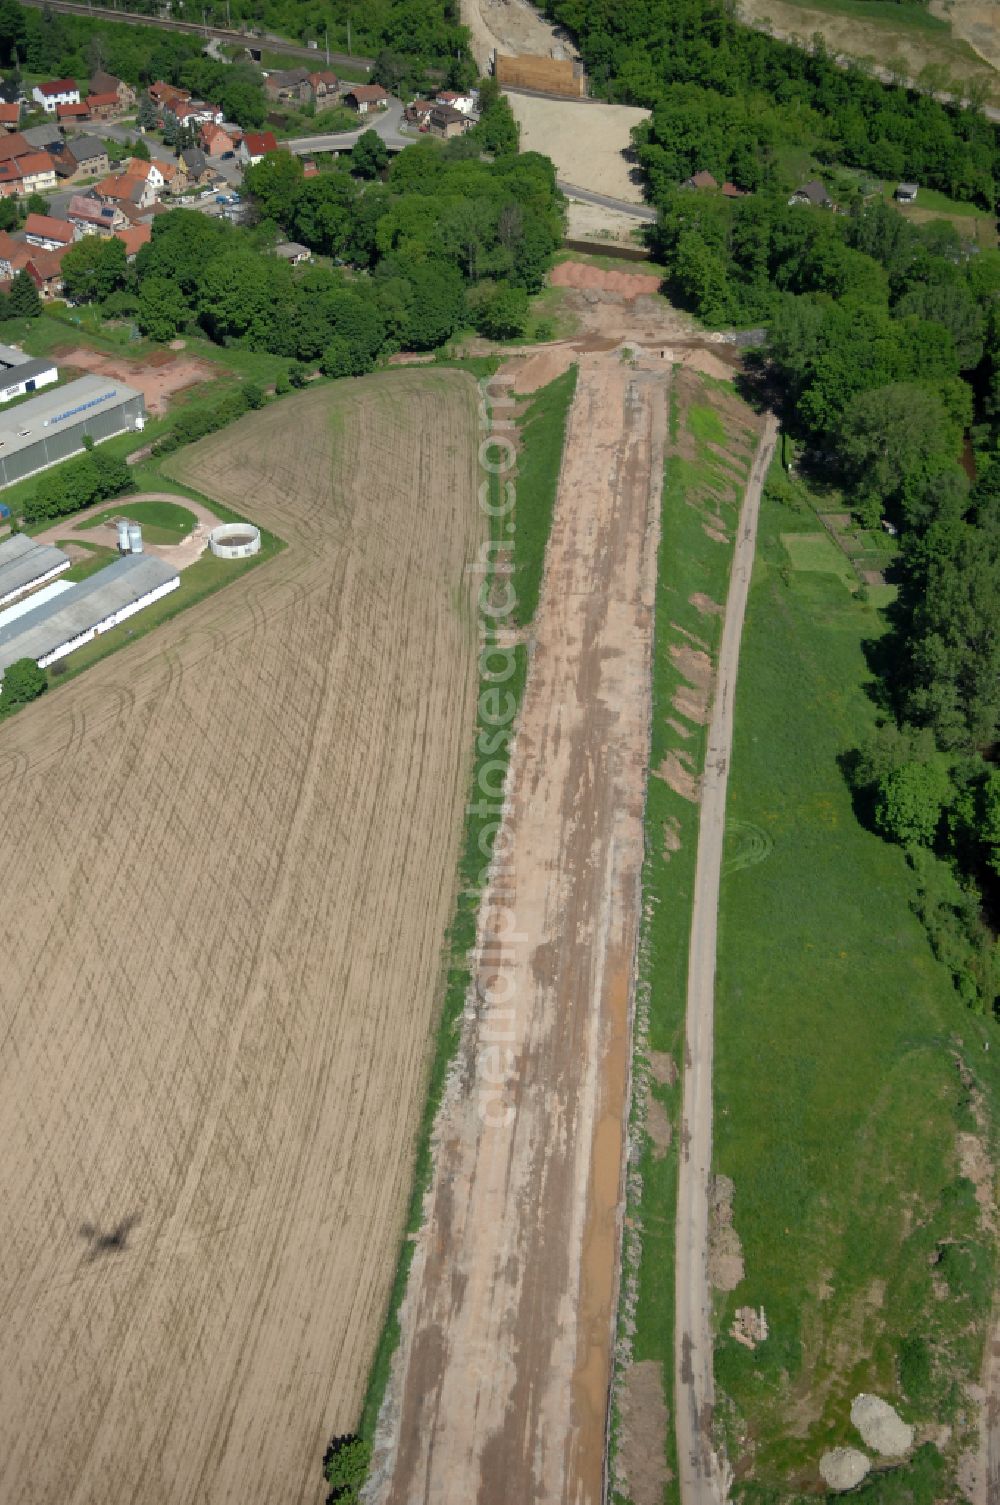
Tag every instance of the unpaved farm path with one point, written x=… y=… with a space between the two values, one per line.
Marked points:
x=500 y=1386
x=227 y=867
x=702 y=1475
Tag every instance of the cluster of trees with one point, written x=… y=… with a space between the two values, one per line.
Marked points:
x=727 y=98
x=92 y=478
x=59 y=45
x=446 y=239
x=23 y=681
x=194 y=422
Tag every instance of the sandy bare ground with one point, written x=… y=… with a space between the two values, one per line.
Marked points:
x=851 y=36
x=702 y=1475
x=514 y=27
x=180 y=555
x=500 y=1388
x=586 y=221
x=585 y=139
x=227 y=868
x=158 y=379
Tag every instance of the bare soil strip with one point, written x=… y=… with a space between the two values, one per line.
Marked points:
x=702 y=1474
x=500 y=1386
x=227 y=868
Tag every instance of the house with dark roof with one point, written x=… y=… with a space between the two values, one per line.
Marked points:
x=83 y=157
x=288 y=85
x=366 y=98
x=445 y=122
x=107 y=83
x=813 y=193
x=43 y=138
x=906 y=193
x=196 y=167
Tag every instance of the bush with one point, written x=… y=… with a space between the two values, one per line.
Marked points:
x=347 y=1461
x=282 y=384
x=298 y=374
x=253 y=395
x=22 y=682
x=77 y=484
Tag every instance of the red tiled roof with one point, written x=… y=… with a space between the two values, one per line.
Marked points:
x=48 y=264
x=258 y=143
x=98 y=101
x=72 y=112
x=13 y=146
x=367 y=93
x=133 y=237
x=58 y=86
x=10 y=112
x=49 y=227
x=35 y=162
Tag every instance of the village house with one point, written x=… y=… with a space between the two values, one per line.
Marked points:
x=123 y=188
x=291 y=251
x=92 y=216
x=287 y=86
x=107 y=83
x=44 y=138
x=906 y=193
x=199 y=112
x=103 y=106
x=153 y=173
x=38 y=173
x=255 y=146
x=309 y=167
x=813 y=193
x=60 y=91
x=83 y=157
x=702 y=180
x=216 y=141
x=325 y=87
x=166 y=97
x=133 y=238
x=48 y=232
x=14 y=256
x=45 y=270
x=197 y=170
x=366 y=99
x=418 y=111
x=10 y=115
x=465 y=104
x=72 y=114
x=730 y=191
x=445 y=122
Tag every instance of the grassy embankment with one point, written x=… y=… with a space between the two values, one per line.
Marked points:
x=838 y=1041
x=541 y=431
x=700 y=485
x=838 y=1091
x=162 y=522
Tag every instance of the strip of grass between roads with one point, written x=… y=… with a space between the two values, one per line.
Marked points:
x=536 y=457
x=690 y=562
x=839 y=1086
x=543 y=432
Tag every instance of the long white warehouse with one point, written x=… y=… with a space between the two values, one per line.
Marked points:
x=25 y=563
x=87 y=609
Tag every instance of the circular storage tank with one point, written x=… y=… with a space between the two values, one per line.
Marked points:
x=234 y=540
x=134 y=538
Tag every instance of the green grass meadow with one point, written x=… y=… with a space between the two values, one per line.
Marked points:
x=838 y=1036
x=542 y=431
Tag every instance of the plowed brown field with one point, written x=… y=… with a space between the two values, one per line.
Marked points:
x=227 y=866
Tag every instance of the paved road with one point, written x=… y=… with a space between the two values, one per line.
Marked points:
x=701 y=1474
x=387 y=124
x=268 y=43
x=637 y=211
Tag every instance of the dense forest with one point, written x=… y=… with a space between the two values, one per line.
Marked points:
x=729 y=99
x=882 y=355
x=425 y=34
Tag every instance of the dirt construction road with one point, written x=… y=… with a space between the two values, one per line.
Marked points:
x=500 y=1387
x=227 y=866
x=702 y=1475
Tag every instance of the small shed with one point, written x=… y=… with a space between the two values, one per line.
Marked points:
x=906 y=193
x=290 y=250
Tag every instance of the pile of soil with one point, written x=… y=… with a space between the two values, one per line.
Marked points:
x=579 y=274
x=843 y=1468
x=881 y=1426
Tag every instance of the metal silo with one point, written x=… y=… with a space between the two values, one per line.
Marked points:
x=135 y=538
x=123 y=535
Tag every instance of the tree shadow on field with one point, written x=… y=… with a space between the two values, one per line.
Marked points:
x=115 y=1241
